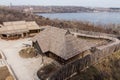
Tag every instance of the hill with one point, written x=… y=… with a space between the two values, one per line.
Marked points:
x=7 y=14
x=105 y=70
x=63 y=9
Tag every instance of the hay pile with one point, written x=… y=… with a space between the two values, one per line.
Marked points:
x=5 y=74
x=28 y=52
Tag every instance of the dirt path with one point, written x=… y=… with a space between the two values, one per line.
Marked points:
x=24 y=69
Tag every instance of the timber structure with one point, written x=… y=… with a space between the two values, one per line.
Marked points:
x=17 y=29
x=74 y=51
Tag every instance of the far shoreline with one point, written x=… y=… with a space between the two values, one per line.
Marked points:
x=71 y=12
x=98 y=18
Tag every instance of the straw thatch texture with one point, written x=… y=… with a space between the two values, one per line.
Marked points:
x=13 y=23
x=32 y=25
x=61 y=43
x=14 y=27
x=18 y=27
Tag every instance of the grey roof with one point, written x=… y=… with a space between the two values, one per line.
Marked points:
x=60 y=42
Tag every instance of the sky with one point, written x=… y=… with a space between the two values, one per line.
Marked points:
x=86 y=3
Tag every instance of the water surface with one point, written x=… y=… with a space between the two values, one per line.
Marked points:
x=99 y=17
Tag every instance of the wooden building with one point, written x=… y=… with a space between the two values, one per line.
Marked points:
x=33 y=28
x=16 y=29
x=59 y=44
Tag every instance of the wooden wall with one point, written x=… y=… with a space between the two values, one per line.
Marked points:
x=81 y=64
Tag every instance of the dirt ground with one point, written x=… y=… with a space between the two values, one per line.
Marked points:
x=94 y=41
x=5 y=74
x=24 y=69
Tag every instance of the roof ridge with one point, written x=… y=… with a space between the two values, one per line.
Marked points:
x=49 y=39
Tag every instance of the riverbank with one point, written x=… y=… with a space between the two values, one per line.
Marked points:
x=92 y=17
x=12 y=15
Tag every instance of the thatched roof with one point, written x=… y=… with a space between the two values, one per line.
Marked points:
x=60 y=42
x=14 y=27
x=14 y=23
x=32 y=25
x=18 y=27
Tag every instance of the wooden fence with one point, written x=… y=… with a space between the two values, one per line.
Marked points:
x=81 y=64
x=90 y=32
x=71 y=68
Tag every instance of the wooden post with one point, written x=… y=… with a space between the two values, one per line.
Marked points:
x=75 y=34
x=26 y=34
x=22 y=35
x=7 y=36
x=82 y=55
x=42 y=60
x=38 y=31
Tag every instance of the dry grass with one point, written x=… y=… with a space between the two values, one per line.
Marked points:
x=5 y=74
x=46 y=71
x=90 y=74
x=12 y=15
x=97 y=41
x=28 y=53
x=108 y=69
x=93 y=39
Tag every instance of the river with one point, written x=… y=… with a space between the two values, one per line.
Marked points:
x=98 y=17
